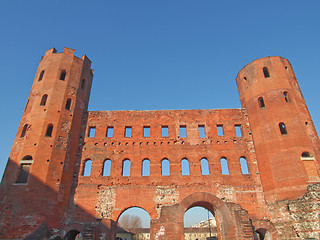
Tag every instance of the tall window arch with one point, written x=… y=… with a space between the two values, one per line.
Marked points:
x=44 y=100
x=106 y=168
x=244 y=166
x=41 y=76
x=286 y=96
x=283 y=129
x=145 y=167
x=68 y=104
x=83 y=83
x=126 y=165
x=49 y=130
x=24 y=130
x=165 y=167
x=224 y=166
x=87 y=168
x=185 y=167
x=63 y=75
x=261 y=102
x=266 y=72
x=24 y=169
x=204 y=166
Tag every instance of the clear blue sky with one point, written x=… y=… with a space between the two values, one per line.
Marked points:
x=177 y=54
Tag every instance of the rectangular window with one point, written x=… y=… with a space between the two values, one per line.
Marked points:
x=238 y=130
x=220 y=130
x=92 y=132
x=146 y=131
x=164 y=131
x=202 y=133
x=23 y=173
x=128 y=132
x=183 y=131
x=109 y=131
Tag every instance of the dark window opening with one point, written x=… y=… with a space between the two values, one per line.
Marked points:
x=109 y=131
x=220 y=130
x=68 y=104
x=286 y=96
x=164 y=131
x=83 y=82
x=41 y=76
x=266 y=72
x=238 y=130
x=23 y=173
x=146 y=131
x=128 y=132
x=49 y=130
x=44 y=100
x=92 y=132
x=63 y=75
x=183 y=131
x=24 y=130
x=306 y=154
x=261 y=102
x=282 y=128
x=201 y=131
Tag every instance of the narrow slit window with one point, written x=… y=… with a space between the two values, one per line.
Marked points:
x=41 y=76
x=146 y=131
x=83 y=83
x=164 y=131
x=220 y=130
x=126 y=165
x=49 y=130
x=283 y=129
x=128 y=132
x=109 y=131
x=87 y=168
x=244 y=166
x=146 y=167
x=165 y=167
x=92 y=132
x=63 y=75
x=286 y=96
x=261 y=102
x=224 y=166
x=68 y=104
x=185 y=167
x=266 y=72
x=201 y=131
x=44 y=100
x=238 y=130
x=204 y=166
x=106 y=168
x=183 y=131
x=24 y=130
x=25 y=108
x=23 y=173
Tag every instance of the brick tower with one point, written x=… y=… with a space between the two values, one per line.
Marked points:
x=284 y=135
x=37 y=181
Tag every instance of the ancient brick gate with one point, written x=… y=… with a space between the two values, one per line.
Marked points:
x=77 y=171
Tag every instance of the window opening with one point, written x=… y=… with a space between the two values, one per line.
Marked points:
x=164 y=131
x=185 y=167
x=224 y=166
x=106 y=168
x=83 y=83
x=183 y=131
x=68 y=104
x=109 y=131
x=261 y=102
x=87 y=168
x=238 y=130
x=244 y=166
x=146 y=131
x=165 y=167
x=49 y=130
x=220 y=130
x=286 y=96
x=44 y=100
x=63 y=75
x=283 y=129
x=23 y=173
x=92 y=132
x=126 y=164
x=266 y=72
x=25 y=108
x=41 y=76
x=24 y=130
x=201 y=131
x=146 y=167
x=128 y=132
x=204 y=166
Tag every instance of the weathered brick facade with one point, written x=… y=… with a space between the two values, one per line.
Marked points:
x=47 y=181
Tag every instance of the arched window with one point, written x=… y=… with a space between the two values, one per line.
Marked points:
x=146 y=167
x=44 y=100
x=266 y=72
x=165 y=167
x=106 y=168
x=87 y=168
x=306 y=155
x=185 y=167
x=24 y=169
x=83 y=83
x=41 y=76
x=63 y=75
x=286 y=96
x=261 y=102
x=224 y=166
x=283 y=129
x=68 y=104
x=49 y=130
x=204 y=166
x=126 y=165
x=244 y=166
x=24 y=130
